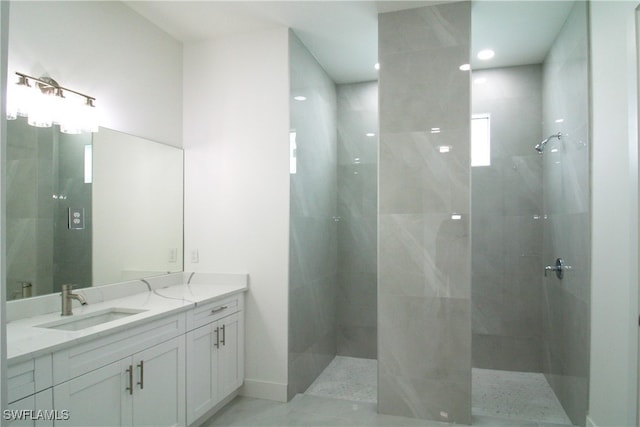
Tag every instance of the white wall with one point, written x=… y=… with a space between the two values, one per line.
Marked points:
x=108 y=51
x=614 y=286
x=236 y=141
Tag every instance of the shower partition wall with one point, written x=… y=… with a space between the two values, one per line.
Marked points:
x=566 y=302
x=424 y=283
x=313 y=229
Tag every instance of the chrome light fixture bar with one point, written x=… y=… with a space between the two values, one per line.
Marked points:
x=43 y=101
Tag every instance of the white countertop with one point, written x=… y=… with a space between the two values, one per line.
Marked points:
x=26 y=340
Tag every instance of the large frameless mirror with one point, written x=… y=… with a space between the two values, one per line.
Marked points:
x=89 y=209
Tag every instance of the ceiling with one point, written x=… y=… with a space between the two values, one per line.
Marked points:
x=343 y=35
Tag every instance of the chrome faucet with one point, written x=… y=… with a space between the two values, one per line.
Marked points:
x=67 y=296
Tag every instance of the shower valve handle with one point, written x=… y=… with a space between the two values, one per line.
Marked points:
x=559 y=268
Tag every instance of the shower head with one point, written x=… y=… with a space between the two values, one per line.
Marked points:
x=540 y=146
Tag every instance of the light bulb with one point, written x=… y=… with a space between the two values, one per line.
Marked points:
x=18 y=99
x=72 y=121
x=41 y=110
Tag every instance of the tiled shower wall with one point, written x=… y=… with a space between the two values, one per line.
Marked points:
x=424 y=283
x=566 y=302
x=313 y=228
x=507 y=223
x=357 y=209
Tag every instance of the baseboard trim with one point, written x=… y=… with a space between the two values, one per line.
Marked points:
x=590 y=422
x=264 y=390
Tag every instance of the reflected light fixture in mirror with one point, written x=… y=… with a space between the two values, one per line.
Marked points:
x=486 y=54
x=44 y=102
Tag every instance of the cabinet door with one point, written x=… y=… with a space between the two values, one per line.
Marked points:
x=97 y=398
x=159 y=392
x=202 y=371
x=26 y=412
x=230 y=357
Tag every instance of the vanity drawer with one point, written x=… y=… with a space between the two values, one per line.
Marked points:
x=27 y=378
x=91 y=355
x=212 y=311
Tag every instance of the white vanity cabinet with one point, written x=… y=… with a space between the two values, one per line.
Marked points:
x=172 y=369
x=29 y=391
x=29 y=407
x=215 y=356
x=135 y=377
x=145 y=389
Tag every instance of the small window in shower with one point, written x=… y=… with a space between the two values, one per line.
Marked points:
x=480 y=140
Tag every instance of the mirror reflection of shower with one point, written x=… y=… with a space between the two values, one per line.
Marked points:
x=541 y=145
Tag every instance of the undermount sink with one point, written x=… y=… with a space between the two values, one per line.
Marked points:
x=83 y=321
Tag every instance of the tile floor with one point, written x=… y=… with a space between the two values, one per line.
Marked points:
x=348 y=378
x=499 y=399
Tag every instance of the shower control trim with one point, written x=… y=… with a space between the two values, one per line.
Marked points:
x=559 y=268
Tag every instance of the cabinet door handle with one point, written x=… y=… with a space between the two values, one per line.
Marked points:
x=219 y=309
x=217 y=344
x=223 y=335
x=130 y=372
x=141 y=382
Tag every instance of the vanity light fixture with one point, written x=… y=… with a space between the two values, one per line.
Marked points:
x=45 y=103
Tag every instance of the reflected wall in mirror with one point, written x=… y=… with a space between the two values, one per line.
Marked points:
x=89 y=212
x=137 y=208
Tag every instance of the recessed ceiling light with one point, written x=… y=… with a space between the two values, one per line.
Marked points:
x=300 y=98
x=370 y=134
x=377 y=66
x=444 y=148
x=559 y=120
x=456 y=217
x=435 y=130
x=486 y=54
x=480 y=80
x=465 y=67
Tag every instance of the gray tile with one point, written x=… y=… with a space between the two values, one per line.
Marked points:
x=444 y=399
x=423 y=253
x=415 y=177
x=424 y=28
x=424 y=256
x=426 y=338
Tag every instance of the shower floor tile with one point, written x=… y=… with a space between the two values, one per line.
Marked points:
x=348 y=378
x=523 y=396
